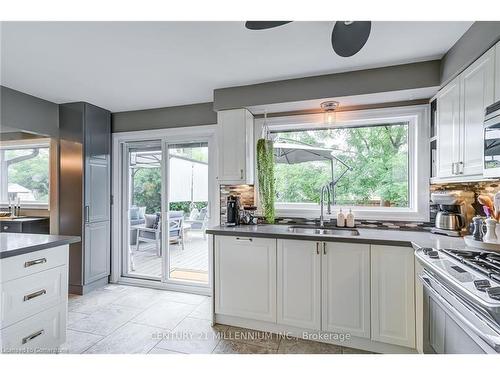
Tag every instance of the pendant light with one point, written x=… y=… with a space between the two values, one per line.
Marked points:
x=329 y=108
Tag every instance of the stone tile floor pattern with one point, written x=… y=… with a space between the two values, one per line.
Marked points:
x=126 y=320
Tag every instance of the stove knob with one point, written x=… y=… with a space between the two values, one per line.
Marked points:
x=433 y=254
x=426 y=250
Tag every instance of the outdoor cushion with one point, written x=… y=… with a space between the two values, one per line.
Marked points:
x=134 y=213
x=150 y=220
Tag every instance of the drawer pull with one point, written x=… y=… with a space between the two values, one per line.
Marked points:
x=243 y=239
x=35 y=262
x=33 y=336
x=34 y=295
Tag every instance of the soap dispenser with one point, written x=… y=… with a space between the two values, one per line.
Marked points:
x=340 y=219
x=349 y=219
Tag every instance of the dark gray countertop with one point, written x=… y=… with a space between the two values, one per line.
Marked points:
x=372 y=236
x=12 y=244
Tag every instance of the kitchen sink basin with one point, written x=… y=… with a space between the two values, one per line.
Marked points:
x=324 y=231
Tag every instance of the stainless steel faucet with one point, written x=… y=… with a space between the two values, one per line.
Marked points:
x=324 y=189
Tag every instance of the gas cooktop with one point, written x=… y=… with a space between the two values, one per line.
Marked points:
x=476 y=272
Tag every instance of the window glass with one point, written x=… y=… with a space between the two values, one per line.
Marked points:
x=306 y=160
x=27 y=172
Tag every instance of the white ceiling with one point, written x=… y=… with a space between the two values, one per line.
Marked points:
x=136 y=65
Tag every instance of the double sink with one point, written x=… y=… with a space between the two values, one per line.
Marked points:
x=326 y=231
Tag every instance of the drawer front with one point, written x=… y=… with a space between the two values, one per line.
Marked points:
x=28 y=264
x=42 y=333
x=22 y=298
x=11 y=227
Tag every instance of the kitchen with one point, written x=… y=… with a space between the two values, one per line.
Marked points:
x=350 y=211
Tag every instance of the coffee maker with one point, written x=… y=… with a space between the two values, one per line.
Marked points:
x=233 y=211
x=454 y=209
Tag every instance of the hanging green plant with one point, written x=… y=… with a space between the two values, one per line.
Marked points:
x=265 y=172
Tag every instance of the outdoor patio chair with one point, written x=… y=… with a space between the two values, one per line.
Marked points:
x=198 y=220
x=152 y=233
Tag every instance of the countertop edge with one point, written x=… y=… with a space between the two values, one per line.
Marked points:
x=64 y=240
x=295 y=236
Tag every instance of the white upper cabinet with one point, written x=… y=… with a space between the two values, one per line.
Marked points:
x=299 y=283
x=460 y=116
x=448 y=128
x=476 y=93
x=346 y=288
x=245 y=282
x=497 y=72
x=393 y=295
x=235 y=147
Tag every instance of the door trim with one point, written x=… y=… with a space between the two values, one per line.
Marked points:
x=208 y=132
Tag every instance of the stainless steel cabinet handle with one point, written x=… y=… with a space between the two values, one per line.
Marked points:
x=35 y=262
x=32 y=336
x=34 y=295
x=244 y=239
x=86 y=214
x=241 y=174
x=460 y=167
x=317 y=248
x=324 y=248
x=453 y=165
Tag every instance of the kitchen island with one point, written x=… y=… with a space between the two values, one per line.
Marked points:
x=34 y=292
x=359 y=291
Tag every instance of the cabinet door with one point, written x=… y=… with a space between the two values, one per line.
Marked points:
x=477 y=92
x=448 y=128
x=497 y=72
x=245 y=283
x=97 y=190
x=346 y=288
x=299 y=283
x=97 y=251
x=235 y=146
x=97 y=132
x=393 y=295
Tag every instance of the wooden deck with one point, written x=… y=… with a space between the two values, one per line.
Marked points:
x=189 y=264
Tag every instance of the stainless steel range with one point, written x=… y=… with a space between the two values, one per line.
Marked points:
x=461 y=300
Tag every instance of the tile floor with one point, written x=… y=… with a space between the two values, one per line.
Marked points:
x=126 y=320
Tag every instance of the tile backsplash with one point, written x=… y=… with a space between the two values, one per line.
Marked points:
x=247 y=196
x=245 y=192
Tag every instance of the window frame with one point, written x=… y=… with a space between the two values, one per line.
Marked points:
x=418 y=160
x=27 y=144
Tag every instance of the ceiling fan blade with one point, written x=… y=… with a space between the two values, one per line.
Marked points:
x=349 y=37
x=263 y=25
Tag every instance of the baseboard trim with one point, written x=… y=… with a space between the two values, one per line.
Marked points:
x=353 y=342
x=84 y=289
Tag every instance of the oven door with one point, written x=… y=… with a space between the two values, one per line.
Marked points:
x=451 y=326
x=491 y=161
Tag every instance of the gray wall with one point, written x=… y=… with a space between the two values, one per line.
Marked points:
x=160 y=118
x=28 y=113
x=480 y=37
x=392 y=78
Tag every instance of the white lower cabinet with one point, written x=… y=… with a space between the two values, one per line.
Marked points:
x=367 y=291
x=393 y=295
x=299 y=283
x=245 y=285
x=346 y=288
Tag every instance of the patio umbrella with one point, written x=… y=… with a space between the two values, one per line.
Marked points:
x=295 y=152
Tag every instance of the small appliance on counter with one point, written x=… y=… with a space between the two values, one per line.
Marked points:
x=454 y=211
x=233 y=210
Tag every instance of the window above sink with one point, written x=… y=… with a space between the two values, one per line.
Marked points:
x=386 y=149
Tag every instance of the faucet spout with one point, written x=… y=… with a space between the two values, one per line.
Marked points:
x=324 y=189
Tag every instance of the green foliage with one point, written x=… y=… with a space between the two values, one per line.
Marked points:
x=377 y=154
x=265 y=171
x=32 y=174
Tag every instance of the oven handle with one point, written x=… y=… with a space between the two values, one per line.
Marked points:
x=490 y=340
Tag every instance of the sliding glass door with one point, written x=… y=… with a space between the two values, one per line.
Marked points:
x=165 y=205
